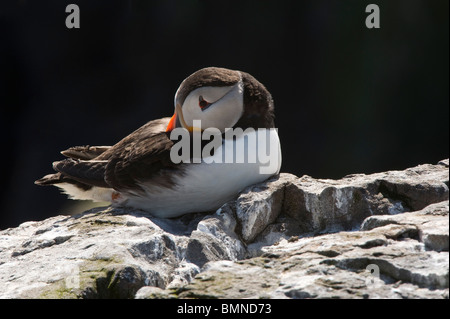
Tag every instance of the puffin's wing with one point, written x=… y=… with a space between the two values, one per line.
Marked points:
x=58 y=178
x=85 y=152
x=141 y=160
x=91 y=172
x=139 y=156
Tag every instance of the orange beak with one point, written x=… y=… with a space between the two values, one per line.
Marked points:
x=172 y=122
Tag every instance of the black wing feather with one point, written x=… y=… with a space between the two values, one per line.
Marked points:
x=58 y=178
x=141 y=160
x=87 y=172
x=85 y=152
x=141 y=156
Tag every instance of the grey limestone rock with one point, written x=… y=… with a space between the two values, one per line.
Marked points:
x=381 y=235
x=339 y=265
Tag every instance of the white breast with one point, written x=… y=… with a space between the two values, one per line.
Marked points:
x=207 y=186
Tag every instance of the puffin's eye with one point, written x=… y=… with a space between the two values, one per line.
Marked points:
x=202 y=102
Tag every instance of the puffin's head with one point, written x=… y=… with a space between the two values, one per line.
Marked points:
x=222 y=98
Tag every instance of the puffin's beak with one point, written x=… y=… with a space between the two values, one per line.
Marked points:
x=172 y=122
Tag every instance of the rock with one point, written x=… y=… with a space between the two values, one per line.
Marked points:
x=334 y=205
x=260 y=205
x=433 y=232
x=149 y=292
x=103 y=253
x=382 y=235
x=338 y=265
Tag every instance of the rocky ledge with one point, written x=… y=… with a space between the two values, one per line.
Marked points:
x=383 y=235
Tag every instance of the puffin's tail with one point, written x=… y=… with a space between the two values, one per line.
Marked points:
x=76 y=189
x=50 y=179
x=58 y=178
x=84 y=153
x=80 y=175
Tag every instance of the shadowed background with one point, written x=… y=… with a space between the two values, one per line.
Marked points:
x=348 y=99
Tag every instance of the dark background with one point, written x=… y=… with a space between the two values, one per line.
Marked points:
x=348 y=99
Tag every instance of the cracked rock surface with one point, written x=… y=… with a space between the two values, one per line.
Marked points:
x=382 y=235
x=338 y=265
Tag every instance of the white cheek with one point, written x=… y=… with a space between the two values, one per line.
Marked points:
x=191 y=110
x=222 y=114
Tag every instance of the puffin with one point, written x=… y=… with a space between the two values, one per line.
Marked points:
x=140 y=171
